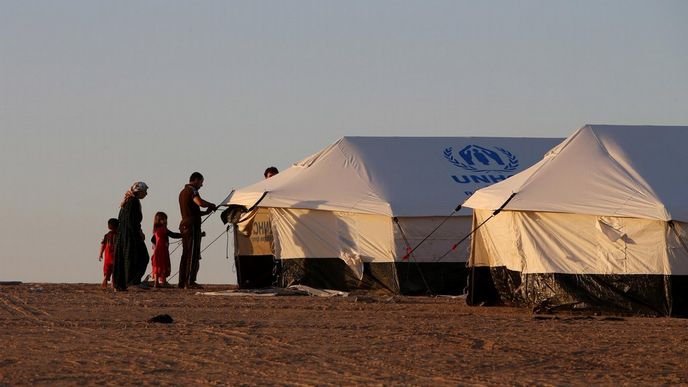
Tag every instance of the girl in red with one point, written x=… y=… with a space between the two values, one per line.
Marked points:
x=107 y=246
x=161 y=253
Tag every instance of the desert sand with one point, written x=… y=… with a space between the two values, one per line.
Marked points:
x=80 y=334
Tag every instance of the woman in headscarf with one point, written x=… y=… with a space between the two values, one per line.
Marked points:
x=131 y=254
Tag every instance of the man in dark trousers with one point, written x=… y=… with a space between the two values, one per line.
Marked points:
x=190 y=204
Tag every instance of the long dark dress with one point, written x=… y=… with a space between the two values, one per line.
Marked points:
x=131 y=254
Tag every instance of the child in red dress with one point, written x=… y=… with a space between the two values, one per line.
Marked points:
x=107 y=246
x=161 y=253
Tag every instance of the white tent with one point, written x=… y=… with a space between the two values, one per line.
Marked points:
x=347 y=216
x=600 y=222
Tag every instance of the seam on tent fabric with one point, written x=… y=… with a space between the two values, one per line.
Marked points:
x=625 y=171
x=532 y=176
x=284 y=203
x=365 y=181
x=310 y=160
x=549 y=156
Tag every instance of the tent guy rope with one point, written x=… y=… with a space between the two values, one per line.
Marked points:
x=412 y=257
x=497 y=211
x=457 y=209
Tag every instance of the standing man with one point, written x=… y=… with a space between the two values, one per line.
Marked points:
x=190 y=204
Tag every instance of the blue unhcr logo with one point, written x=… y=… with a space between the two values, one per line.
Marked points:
x=476 y=158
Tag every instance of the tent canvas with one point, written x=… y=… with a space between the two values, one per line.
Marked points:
x=345 y=217
x=600 y=222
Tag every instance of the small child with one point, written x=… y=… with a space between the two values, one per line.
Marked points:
x=161 y=253
x=107 y=246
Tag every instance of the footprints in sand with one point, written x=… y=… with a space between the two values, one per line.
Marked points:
x=231 y=336
x=19 y=308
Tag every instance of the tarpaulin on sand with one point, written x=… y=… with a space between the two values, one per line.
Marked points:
x=296 y=290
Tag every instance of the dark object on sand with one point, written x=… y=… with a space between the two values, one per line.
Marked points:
x=10 y=282
x=161 y=319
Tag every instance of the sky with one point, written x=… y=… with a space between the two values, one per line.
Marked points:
x=95 y=95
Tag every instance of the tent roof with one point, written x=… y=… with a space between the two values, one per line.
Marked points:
x=395 y=176
x=606 y=170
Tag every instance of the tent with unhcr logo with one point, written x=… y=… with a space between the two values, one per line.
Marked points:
x=347 y=217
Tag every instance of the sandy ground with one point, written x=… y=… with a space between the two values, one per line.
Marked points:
x=79 y=334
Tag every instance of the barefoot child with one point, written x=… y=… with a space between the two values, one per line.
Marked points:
x=161 y=253
x=107 y=246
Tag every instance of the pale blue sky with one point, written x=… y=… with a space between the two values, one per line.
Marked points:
x=95 y=95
